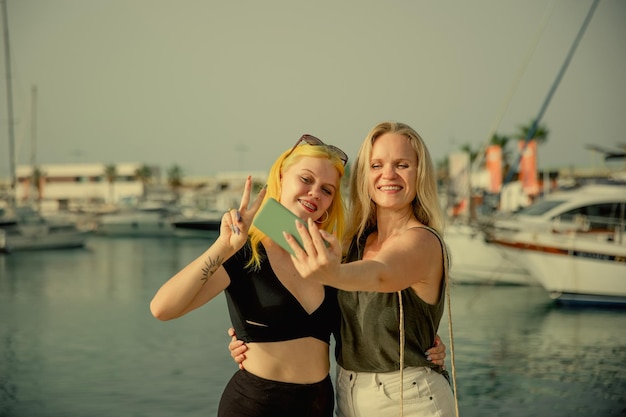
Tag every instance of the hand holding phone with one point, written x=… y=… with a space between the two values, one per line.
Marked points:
x=273 y=219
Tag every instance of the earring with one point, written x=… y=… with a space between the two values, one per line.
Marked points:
x=323 y=221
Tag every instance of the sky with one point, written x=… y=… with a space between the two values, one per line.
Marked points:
x=215 y=86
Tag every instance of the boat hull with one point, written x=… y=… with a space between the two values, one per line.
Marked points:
x=197 y=228
x=476 y=262
x=135 y=225
x=14 y=243
x=573 y=268
x=28 y=230
x=588 y=300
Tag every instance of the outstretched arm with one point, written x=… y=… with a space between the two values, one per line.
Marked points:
x=203 y=278
x=392 y=267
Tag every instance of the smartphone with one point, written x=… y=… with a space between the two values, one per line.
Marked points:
x=273 y=219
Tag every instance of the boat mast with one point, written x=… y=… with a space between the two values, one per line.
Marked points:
x=7 y=61
x=33 y=126
x=533 y=129
x=33 y=188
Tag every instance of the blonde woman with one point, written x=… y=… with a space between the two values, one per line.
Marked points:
x=394 y=272
x=285 y=320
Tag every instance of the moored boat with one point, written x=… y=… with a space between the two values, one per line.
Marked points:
x=149 y=219
x=26 y=229
x=203 y=226
x=573 y=242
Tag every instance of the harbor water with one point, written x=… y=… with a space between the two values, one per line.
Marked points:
x=77 y=340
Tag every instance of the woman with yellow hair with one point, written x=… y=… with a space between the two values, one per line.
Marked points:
x=285 y=321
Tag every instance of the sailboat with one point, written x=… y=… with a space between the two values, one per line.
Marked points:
x=26 y=229
x=474 y=258
x=23 y=227
x=571 y=240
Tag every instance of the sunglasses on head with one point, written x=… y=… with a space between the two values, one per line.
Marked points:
x=312 y=140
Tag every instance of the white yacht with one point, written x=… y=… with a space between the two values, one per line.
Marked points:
x=148 y=219
x=26 y=229
x=572 y=242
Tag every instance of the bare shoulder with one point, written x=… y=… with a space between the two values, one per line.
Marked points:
x=428 y=244
x=424 y=235
x=415 y=240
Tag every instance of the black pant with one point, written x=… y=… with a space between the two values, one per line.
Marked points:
x=251 y=396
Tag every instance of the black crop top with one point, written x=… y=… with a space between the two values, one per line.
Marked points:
x=263 y=310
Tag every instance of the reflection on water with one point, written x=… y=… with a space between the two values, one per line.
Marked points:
x=518 y=354
x=77 y=339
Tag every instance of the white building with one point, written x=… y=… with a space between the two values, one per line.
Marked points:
x=72 y=186
x=85 y=187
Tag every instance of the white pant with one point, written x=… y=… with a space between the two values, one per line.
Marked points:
x=365 y=394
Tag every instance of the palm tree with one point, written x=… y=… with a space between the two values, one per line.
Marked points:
x=110 y=172
x=500 y=140
x=144 y=174
x=175 y=179
x=540 y=134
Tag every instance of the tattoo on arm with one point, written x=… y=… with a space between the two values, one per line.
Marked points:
x=210 y=266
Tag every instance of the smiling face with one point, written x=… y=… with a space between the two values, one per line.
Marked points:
x=309 y=186
x=392 y=171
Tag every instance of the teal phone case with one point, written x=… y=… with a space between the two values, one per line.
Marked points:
x=273 y=219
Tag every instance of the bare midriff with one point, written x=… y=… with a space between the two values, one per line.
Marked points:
x=299 y=361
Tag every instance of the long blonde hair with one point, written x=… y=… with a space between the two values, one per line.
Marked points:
x=334 y=223
x=426 y=206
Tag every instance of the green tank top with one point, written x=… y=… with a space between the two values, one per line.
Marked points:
x=370 y=335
